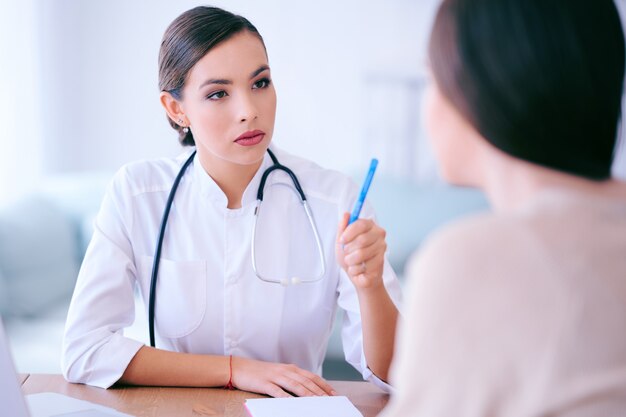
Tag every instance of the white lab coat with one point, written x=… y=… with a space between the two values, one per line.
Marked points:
x=208 y=299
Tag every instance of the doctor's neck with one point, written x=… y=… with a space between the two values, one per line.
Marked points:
x=232 y=178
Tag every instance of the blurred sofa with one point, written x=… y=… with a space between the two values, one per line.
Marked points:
x=43 y=237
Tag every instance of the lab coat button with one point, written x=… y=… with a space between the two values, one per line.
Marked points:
x=233 y=343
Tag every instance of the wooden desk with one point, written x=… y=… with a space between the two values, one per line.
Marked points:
x=154 y=401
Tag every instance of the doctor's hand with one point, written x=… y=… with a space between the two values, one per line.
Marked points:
x=277 y=379
x=360 y=251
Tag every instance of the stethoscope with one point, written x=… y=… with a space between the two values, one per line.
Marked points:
x=168 y=205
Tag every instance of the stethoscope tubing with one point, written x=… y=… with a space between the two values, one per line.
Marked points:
x=157 y=252
x=168 y=205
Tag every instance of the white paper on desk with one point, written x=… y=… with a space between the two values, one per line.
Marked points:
x=337 y=406
x=49 y=404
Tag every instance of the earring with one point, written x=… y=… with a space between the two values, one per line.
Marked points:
x=185 y=128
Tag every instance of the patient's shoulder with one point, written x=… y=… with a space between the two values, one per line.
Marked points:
x=477 y=236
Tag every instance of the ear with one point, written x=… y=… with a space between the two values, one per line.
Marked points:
x=173 y=108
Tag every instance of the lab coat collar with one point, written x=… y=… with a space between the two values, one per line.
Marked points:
x=212 y=191
x=250 y=193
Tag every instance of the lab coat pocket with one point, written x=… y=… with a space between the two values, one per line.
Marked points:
x=180 y=302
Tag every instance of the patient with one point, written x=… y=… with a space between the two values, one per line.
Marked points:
x=522 y=311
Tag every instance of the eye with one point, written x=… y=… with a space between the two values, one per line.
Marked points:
x=217 y=95
x=262 y=83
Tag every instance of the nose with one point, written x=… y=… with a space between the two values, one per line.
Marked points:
x=248 y=109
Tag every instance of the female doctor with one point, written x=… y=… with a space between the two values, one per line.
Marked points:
x=219 y=320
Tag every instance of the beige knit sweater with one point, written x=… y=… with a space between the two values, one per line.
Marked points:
x=514 y=315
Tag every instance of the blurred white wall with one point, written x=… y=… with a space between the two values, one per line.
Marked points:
x=619 y=165
x=79 y=83
x=86 y=78
x=20 y=122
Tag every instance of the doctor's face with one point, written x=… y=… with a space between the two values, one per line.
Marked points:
x=230 y=103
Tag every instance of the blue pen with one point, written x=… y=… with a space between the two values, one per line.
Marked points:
x=366 y=186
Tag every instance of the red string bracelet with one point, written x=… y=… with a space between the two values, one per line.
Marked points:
x=230 y=378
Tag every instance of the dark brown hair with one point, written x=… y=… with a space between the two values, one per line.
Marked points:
x=539 y=79
x=187 y=39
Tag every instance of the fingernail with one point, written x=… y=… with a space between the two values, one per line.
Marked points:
x=333 y=392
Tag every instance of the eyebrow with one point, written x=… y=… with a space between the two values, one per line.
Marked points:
x=223 y=81
x=259 y=70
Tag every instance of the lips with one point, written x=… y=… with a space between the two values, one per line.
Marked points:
x=250 y=138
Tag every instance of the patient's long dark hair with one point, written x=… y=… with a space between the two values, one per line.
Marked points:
x=539 y=79
x=187 y=39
